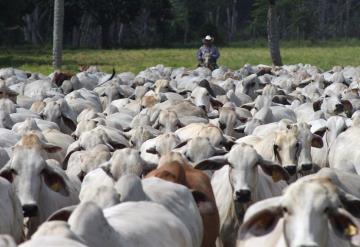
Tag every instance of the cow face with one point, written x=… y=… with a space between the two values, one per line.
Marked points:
x=333 y=105
x=200 y=148
x=227 y=120
x=286 y=149
x=307 y=209
x=243 y=176
x=31 y=176
x=167 y=121
x=201 y=98
x=306 y=140
x=60 y=113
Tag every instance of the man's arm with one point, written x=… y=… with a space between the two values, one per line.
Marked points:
x=215 y=53
x=199 y=55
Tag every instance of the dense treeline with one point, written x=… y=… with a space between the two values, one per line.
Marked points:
x=149 y=23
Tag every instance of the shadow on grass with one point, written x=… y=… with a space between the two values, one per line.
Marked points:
x=17 y=61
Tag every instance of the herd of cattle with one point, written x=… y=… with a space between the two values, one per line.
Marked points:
x=172 y=157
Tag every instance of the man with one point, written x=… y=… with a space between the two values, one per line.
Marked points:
x=208 y=54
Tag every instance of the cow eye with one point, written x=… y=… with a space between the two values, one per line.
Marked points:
x=285 y=210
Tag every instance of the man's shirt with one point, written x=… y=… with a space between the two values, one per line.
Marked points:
x=208 y=49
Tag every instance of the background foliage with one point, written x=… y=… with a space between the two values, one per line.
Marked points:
x=168 y=23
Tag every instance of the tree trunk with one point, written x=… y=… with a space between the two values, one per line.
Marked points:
x=273 y=34
x=33 y=23
x=217 y=18
x=322 y=6
x=121 y=34
x=186 y=31
x=75 y=37
x=233 y=19
x=228 y=22
x=58 y=33
x=347 y=18
x=105 y=40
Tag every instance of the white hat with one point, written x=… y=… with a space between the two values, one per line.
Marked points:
x=208 y=38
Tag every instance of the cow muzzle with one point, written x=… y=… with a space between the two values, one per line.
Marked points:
x=243 y=196
x=290 y=169
x=339 y=108
x=30 y=210
x=306 y=167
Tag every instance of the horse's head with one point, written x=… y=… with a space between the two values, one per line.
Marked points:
x=207 y=59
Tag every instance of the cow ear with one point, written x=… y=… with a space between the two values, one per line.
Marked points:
x=62 y=214
x=68 y=115
x=215 y=103
x=321 y=132
x=350 y=202
x=205 y=84
x=220 y=151
x=281 y=99
x=261 y=219
x=7 y=173
x=316 y=141
x=205 y=205
x=345 y=225
x=240 y=128
x=228 y=142
x=213 y=163
x=51 y=148
x=70 y=123
x=213 y=114
x=75 y=146
x=55 y=181
x=156 y=125
x=248 y=106
x=155 y=116
x=276 y=172
x=81 y=175
x=107 y=169
x=152 y=150
x=181 y=144
x=317 y=105
x=348 y=108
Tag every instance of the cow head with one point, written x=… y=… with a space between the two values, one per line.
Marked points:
x=32 y=176
x=307 y=208
x=60 y=113
x=333 y=105
x=243 y=174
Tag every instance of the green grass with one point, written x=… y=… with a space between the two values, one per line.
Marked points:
x=323 y=55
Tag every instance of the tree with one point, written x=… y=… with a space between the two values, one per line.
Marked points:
x=273 y=34
x=106 y=12
x=58 y=33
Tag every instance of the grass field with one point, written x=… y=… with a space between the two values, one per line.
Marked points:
x=39 y=59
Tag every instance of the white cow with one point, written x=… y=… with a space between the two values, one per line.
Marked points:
x=129 y=224
x=343 y=153
x=240 y=184
x=11 y=218
x=175 y=197
x=41 y=186
x=330 y=130
x=280 y=146
x=311 y=212
x=54 y=233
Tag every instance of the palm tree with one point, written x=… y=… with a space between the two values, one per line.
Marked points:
x=58 y=33
x=273 y=34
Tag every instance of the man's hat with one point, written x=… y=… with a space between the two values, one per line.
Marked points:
x=208 y=38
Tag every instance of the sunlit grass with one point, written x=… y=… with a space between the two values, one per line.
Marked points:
x=39 y=60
